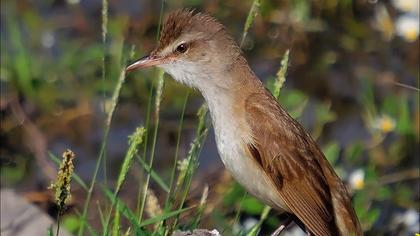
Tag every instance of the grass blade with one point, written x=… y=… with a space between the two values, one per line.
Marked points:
x=159 y=89
x=103 y=69
x=250 y=19
x=263 y=216
x=146 y=143
x=128 y=214
x=115 y=97
x=141 y=200
x=116 y=224
x=201 y=207
x=153 y=174
x=121 y=207
x=173 y=172
x=186 y=174
x=134 y=141
x=101 y=214
x=164 y=216
x=21 y=58
x=88 y=226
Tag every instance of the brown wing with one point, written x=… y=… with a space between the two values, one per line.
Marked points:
x=292 y=160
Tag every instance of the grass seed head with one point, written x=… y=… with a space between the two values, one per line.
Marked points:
x=61 y=186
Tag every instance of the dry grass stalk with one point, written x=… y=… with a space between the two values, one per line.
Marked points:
x=152 y=207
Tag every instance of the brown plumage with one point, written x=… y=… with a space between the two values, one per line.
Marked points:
x=297 y=167
x=266 y=150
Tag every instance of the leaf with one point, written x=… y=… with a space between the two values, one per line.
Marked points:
x=164 y=216
x=50 y=231
x=371 y=175
x=116 y=225
x=331 y=152
x=121 y=207
x=324 y=113
x=71 y=223
x=373 y=215
x=294 y=102
x=127 y=213
x=153 y=174
x=252 y=206
x=101 y=214
x=235 y=194
x=124 y=210
x=86 y=223
x=256 y=228
x=404 y=121
x=354 y=151
x=383 y=193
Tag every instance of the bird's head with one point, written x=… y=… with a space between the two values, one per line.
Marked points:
x=194 y=48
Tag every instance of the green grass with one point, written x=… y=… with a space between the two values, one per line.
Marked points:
x=182 y=172
x=383 y=156
x=179 y=187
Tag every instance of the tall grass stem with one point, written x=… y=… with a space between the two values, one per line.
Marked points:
x=159 y=89
x=103 y=148
x=156 y=123
x=173 y=172
x=104 y=52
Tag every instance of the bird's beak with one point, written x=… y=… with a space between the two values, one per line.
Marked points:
x=144 y=62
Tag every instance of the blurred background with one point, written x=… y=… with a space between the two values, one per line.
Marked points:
x=352 y=81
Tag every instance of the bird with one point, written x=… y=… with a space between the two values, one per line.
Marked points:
x=268 y=152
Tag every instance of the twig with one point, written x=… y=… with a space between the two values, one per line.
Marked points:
x=400 y=176
x=406 y=86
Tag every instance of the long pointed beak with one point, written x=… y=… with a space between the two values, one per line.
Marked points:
x=144 y=62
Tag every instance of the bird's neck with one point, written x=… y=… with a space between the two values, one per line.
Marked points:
x=227 y=91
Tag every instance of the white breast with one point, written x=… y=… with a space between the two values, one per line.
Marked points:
x=229 y=139
x=230 y=142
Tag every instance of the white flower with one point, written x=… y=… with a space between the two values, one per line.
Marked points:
x=357 y=179
x=406 y=5
x=407 y=26
x=384 y=123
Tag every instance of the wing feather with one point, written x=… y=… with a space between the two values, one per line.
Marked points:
x=291 y=159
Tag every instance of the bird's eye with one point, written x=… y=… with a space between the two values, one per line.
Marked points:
x=181 y=48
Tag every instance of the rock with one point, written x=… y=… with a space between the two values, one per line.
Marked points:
x=20 y=218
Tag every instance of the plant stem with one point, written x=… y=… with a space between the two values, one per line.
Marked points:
x=146 y=141
x=156 y=117
x=181 y=124
x=103 y=148
x=155 y=132
x=104 y=34
x=58 y=221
